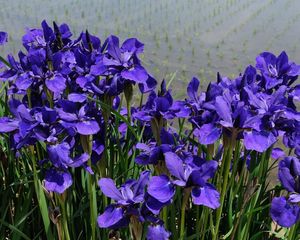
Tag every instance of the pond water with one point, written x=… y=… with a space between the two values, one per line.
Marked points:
x=186 y=37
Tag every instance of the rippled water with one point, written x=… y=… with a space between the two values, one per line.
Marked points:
x=189 y=37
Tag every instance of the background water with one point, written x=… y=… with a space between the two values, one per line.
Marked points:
x=189 y=37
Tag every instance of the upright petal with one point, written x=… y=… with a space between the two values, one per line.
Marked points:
x=192 y=89
x=224 y=111
x=174 y=165
x=3 y=38
x=109 y=189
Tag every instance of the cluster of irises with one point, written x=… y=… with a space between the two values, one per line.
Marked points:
x=65 y=95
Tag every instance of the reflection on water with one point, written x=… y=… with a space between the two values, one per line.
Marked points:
x=192 y=37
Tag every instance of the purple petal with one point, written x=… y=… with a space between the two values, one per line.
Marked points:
x=56 y=181
x=258 y=141
x=192 y=88
x=283 y=213
x=143 y=180
x=161 y=188
x=79 y=160
x=87 y=127
x=109 y=189
x=277 y=153
x=157 y=232
x=3 y=38
x=57 y=84
x=133 y=46
x=76 y=97
x=162 y=104
x=208 y=133
x=113 y=48
x=8 y=125
x=174 y=165
x=294 y=198
x=207 y=196
x=154 y=205
x=98 y=69
x=137 y=74
x=59 y=155
x=23 y=82
x=224 y=111
x=113 y=217
x=284 y=174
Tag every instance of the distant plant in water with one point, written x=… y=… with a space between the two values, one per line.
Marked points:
x=166 y=168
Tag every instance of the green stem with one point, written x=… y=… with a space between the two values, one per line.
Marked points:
x=226 y=171
x=41 y=197
x=64 y=218
x=292 y=233
x=186 y=195
x=87 y=142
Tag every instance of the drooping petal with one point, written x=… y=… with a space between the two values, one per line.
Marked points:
x=59 y=154
x=207 y=196
x=157 y=232
x=294 y=198
x=57 y=84
x=284 y=213
x=153 y=205
x=57 y=181
x=285 y=176
x=277 y=153
x=161 y=188
x=79 y=160
x=137 y=74
x=258 y=141
x=8 y=125
x=87 y=127
x=76 y=97
x=208 y=133
x=113 y=217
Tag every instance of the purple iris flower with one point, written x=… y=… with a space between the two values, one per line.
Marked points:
x=152 y=153
x=57 y=181
x=59 y=156
x=127 y=200
x=158 y=106
x=286 y=211
x=123 y=64
x=30 y=126
x=276 y=70
x=194 y=175
x=79 y=116
x=58 y=178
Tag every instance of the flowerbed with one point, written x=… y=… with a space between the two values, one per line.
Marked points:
x=81 y=160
